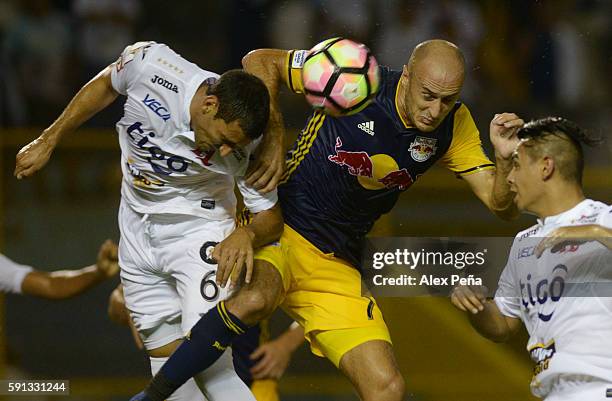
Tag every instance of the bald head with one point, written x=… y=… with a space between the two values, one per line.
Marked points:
x=440 y=59
x=431 y=83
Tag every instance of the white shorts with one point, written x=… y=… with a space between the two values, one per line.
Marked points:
x=167 y=275
x=579 y=388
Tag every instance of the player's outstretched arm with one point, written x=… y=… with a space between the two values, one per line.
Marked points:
x=575 y=235
x=265 y=173
x=96 y=95
x=484 y=314
x=68 y=283
x=235 y=252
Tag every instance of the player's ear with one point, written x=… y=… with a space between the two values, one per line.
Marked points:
x=405 y=71
x=547 y=167
x=210 y=104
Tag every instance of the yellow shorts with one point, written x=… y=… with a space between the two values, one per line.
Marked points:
x=324 y=295
x=265 y=390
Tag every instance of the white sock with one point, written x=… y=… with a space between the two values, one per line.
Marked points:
x=221 y=383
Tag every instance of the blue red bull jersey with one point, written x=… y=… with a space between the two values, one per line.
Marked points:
x=344 y=173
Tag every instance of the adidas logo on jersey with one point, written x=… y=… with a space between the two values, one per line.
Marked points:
x=367 y=127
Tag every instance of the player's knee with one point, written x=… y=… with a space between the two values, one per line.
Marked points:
x=387 y=386
x=396 y=386
x=251 y=306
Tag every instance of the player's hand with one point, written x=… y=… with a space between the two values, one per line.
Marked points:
x=502 y=133
x=567 y=237
x=273 y=358
x=33 y=156
x=469 y=298
x=117 y=311
x=108 y=262
x=232 y=255
x=266 y=170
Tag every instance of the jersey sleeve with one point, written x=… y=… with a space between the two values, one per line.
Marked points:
x=12 y=275
x=293 y=69
x=465 y=155
x=507 y=295
x=128 y=66
x=254 y=200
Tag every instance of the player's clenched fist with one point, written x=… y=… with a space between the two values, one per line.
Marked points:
x=469 y=298
x=33 y=156
x=108 y=263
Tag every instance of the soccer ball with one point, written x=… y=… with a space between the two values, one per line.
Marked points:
x=340 y=77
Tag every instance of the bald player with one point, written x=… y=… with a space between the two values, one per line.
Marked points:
x=342 y=175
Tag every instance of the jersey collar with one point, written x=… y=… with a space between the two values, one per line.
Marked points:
x=559 y=218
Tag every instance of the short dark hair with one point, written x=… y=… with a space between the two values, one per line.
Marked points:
x=243 y=97
x=560 y=138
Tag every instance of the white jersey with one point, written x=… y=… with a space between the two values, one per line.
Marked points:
x=12 y=275
x=561 y=298
x=163 y=172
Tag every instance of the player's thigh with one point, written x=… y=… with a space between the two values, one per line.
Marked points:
x=155 y=310
x=327 y=299
x=256 y=300
x=191 y=266
x=372 y=368
x=149 y=295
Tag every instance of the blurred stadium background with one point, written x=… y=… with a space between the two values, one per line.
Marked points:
x=532 y=57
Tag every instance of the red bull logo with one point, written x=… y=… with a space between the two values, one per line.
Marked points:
x=422 y=148
x=400 y=179
x=358 y=163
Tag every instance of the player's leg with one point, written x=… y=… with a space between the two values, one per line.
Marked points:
x=218 y=383
x=214 y=331
x=341 y=322
x=187 y=392
x=372 y=369
x=183 y=246
x=151 y=298
x=218 y=327
x=257 y=300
